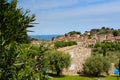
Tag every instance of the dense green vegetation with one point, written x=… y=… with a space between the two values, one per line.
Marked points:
x=14 y=22
x=74 y=32
x=116 y=33
x=105 y=30
x=15 y=58
x=95 y=65
x=57 y=60
x=59 y=44
x=106 y=48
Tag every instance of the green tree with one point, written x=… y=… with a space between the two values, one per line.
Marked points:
x=74 y=32
x=95 y=65
x=41 y=62
x=57 y=61
x=103 y=28
x=116 y=33
x=59 y=44
x=13 y=22
x=30 y=64
x=106 y=47
x=16 y=59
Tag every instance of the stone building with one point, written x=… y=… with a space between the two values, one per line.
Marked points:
x=78 y=57
x=117 y=38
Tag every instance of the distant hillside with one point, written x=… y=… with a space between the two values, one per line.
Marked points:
x=101 y=31
x=89 y=38
x=105 y=30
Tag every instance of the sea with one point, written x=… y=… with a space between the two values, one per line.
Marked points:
x=43 y=37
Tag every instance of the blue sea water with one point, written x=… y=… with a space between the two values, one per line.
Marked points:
x=43 y=37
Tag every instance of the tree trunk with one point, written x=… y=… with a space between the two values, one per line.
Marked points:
x=58 y=72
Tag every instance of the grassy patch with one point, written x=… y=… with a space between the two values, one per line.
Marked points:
x=66 y=77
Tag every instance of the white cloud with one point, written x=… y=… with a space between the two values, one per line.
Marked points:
x=47 y=4
x=59 y=16
x=95 y=10
x=51 y=4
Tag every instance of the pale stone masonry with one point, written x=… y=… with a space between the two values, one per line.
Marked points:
x=78 y=57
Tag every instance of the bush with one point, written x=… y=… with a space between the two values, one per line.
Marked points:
x=105 y=47
x=74 y=32
x=57 y=61
x=59 y=44
x=95 y=65
x=116 y=33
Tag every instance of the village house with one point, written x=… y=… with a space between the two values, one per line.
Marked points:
x=117 y=38
x=78 y=57
x=90 y=42
x=101 y=38
x=109 y=38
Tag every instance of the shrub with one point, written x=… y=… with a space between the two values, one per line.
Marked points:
x=74 y=32
x=57 y=61
x=116 y=33
x=95 y=65
x=58 y=44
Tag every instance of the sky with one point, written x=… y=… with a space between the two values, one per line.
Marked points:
x=63 y=16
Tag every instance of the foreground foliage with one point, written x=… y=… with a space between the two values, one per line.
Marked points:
x=17 y=60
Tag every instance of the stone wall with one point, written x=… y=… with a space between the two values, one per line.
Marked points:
x=78 y=57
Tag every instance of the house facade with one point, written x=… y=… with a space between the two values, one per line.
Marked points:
x=78 y=57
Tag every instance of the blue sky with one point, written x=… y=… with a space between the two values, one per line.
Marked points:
x=62 y=16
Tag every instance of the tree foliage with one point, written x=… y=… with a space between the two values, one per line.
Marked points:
x=57 y=61
x=116 y=33
x=103 y=30
x=27 y=66
x=95 y=65
x=17 y=60
x=106 y=46
x=74 y=32
x=14 y=22
x=59 y=44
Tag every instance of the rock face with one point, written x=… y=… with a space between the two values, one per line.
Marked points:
x=78 y=57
